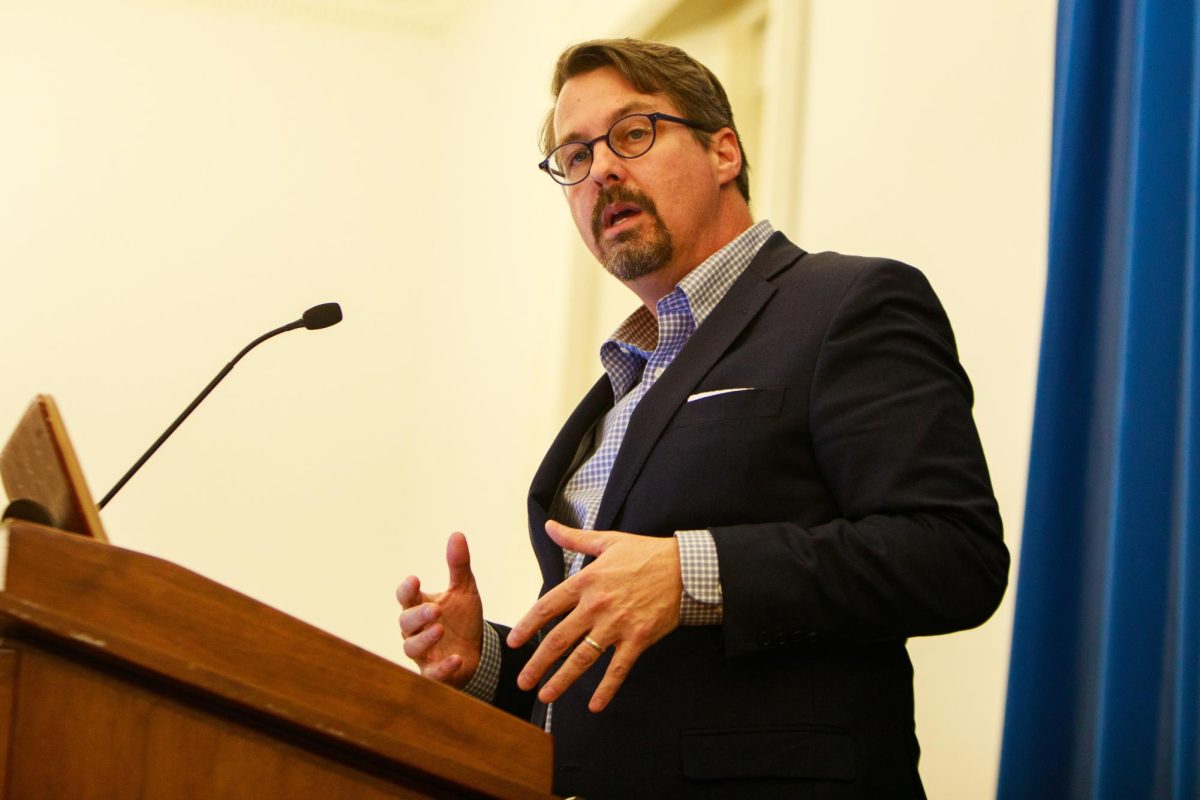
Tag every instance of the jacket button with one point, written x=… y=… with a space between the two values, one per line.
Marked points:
x=764 y=639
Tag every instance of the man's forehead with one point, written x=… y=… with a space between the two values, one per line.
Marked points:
x=589 y=103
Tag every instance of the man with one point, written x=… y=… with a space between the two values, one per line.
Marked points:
x=776 y=481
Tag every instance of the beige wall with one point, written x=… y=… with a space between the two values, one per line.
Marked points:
x=927 y=139
x=179 y=176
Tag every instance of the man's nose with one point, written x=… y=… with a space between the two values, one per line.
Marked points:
x=607 y=166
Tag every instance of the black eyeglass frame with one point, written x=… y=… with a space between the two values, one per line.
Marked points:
x=654 y=117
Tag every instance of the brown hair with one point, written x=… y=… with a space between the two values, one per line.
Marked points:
x=654 y=68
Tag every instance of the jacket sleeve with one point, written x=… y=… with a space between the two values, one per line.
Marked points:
x=916 y=547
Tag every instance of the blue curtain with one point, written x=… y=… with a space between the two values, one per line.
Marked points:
x=1104 y=685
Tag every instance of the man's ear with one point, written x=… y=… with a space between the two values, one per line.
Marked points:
x=728 y=155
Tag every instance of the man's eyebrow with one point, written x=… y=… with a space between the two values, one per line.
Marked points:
x=636 y=106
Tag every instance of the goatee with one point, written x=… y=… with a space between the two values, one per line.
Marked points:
x=633 y=253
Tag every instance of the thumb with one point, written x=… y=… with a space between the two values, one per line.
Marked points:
x=587 y=542
x=458 y=559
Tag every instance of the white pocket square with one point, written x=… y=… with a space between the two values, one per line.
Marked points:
x=715 y=392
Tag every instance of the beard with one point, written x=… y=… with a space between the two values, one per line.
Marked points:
x=633 y=253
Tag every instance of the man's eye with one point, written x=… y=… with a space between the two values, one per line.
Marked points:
x=634 y=140
x=572 y=158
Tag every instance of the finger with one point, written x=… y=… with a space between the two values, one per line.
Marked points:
x=409 y=592
x=559 y=600
x=581 y=659
x=415 y=619
x=458 y=559
x=564 y=636
x=444 y=670
x=618 y=670
x=589 y=542
x=417 y=647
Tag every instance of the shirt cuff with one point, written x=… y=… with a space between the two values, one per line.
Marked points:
x=701 y=602
x=483 y=683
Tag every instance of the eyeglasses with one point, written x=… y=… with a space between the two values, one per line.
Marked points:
x=629 y=137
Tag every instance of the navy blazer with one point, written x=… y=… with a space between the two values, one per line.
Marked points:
x=851 y=506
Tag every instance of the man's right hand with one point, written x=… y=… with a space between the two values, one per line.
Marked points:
x=443 y=633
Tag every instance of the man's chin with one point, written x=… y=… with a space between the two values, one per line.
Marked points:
x=635 y=253
x=631 y=263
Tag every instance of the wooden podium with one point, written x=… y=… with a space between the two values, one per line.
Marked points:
x=126 y=676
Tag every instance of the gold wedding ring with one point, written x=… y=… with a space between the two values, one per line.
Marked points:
x=593 y=643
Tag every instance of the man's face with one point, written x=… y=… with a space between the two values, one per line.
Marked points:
x=637 y=215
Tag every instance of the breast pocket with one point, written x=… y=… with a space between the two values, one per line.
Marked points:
x=731 y=405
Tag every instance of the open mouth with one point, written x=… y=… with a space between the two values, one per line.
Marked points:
x=618 y=213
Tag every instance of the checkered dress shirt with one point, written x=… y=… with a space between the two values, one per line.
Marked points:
x=634 y=357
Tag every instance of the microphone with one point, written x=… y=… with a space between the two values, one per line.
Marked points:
x=315 y=318
x=321 y=316
x=28 y=510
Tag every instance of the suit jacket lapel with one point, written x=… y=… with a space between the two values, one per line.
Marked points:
x=710 y=341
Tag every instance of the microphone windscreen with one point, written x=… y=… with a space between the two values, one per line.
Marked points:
x=322 y=316
x=28 y=510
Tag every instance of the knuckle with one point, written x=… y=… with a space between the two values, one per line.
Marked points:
x=641 y=633
x=618 y=670
x=425 y=638
x=406 y=592
x=555 y=641
x=410 y=624
x=600 y=602
x=585 y=655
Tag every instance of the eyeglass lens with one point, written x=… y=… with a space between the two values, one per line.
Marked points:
x=630 y=137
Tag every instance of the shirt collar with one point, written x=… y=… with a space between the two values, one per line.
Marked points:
x=703 y=287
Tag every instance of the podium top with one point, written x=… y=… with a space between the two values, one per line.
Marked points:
x=159 y=618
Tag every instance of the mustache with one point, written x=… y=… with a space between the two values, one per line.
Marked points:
x=619 y=194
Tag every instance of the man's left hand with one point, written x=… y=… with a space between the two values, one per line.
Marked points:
x=628 y=598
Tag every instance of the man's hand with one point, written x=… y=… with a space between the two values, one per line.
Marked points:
x=628 y=598
x=443 y=633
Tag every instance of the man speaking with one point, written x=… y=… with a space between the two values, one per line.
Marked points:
x=775 y=482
